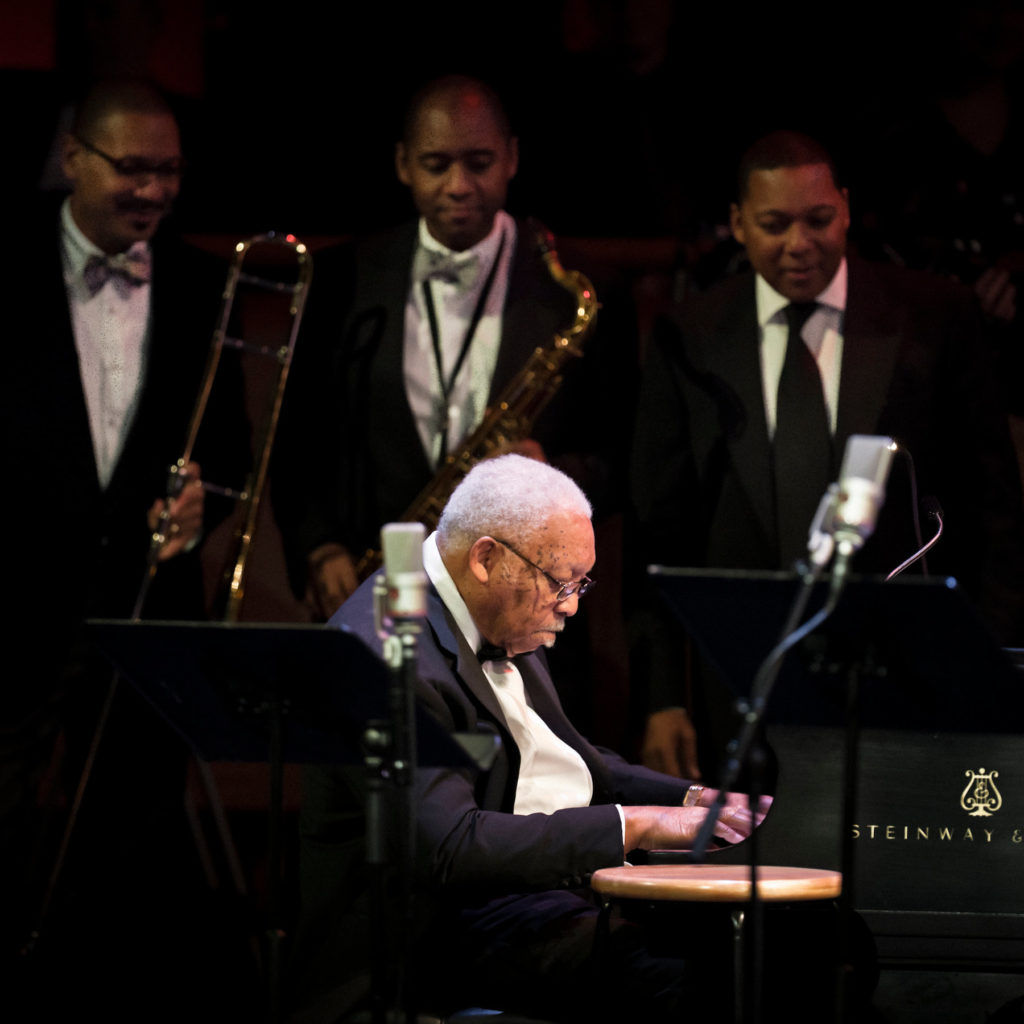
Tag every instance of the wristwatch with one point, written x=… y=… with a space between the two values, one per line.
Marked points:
x=692 y=798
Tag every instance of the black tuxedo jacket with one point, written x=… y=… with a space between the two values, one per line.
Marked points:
x=471 y=848
x=469 y=839
x=78 y=549
x=914 y=367
x=349 y=458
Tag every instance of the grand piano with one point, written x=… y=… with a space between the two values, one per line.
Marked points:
x=935 y=828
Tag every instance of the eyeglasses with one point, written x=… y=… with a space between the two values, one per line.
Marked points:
x=137 y=166
x=565 y=589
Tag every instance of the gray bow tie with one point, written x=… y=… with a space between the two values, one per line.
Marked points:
x=460 y=269
x=127 y=269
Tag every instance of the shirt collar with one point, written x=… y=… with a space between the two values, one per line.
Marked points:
x=484 y=251
x=770 y=303
x=438 y=573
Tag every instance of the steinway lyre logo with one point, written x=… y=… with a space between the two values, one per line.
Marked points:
x=980 y=797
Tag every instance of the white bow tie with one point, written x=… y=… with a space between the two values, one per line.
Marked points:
x=460 y=269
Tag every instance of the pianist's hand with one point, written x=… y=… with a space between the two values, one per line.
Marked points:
x=673 y=828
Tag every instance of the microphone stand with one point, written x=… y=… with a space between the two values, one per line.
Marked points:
x=391 y=819
x=741 y=750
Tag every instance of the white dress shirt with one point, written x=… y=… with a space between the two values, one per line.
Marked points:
x=454 y=305
x=823 y=335
x=111 y=329
x=552 y=775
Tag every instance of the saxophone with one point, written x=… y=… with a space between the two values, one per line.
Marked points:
x=511 y=418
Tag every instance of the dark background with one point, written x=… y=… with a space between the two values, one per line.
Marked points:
x=631 y=113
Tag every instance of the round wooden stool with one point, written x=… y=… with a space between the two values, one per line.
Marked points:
x=714 y=883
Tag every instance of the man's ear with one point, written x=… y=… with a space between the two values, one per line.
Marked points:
x=513 y=152
x=402 y=163
x=70 y=148
x=483 y=558
x=736 y=224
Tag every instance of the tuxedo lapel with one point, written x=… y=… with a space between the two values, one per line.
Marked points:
x=65 y=397
x=377 y=409
x=533 y=308
x=383 y=327
x=872 y=330
x=466 y=664
x=732 y=356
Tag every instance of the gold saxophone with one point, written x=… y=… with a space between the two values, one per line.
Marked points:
x=511 y=418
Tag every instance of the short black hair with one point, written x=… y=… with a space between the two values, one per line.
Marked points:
x=117 y=95
x=451 y=86
x=782 y=149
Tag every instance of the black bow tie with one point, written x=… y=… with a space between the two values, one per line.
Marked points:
x=491 y=652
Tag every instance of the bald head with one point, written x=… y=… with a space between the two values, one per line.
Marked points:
x=117 y=96
x=457 y=156
x=453 y=90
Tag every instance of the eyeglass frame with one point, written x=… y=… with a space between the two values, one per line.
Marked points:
x=135 y=166
x=579 y=587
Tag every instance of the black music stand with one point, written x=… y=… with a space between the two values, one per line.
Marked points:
x=904 y=654
x=279 y=693
x=918 y=643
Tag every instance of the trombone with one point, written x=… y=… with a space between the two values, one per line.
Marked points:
x=292 y=267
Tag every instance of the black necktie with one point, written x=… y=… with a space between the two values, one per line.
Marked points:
x=491 y=652
x=803 y=440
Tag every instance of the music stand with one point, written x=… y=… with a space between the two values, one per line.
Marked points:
x=257 y=692
x=918 y=641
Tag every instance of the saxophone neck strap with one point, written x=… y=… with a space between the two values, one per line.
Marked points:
x=435 y=338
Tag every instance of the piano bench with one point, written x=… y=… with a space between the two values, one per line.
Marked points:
x=712 y=883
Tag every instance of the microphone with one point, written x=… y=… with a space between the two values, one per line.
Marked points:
x=848 y=510
x=861 y=490
x=404 y=578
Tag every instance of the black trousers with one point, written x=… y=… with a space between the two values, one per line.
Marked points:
x=534 y=954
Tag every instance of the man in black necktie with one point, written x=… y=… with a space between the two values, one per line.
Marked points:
x=108 y=326
x=751 y=392
x=505 y=918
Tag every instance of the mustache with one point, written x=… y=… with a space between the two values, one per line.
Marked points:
x=130 y=204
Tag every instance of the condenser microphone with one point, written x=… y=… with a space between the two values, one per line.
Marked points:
x=406 y=582
x=860 y=492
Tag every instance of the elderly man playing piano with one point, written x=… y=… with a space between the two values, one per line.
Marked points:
x=506 y=916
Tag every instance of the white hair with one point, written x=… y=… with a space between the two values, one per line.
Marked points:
x=508 y=495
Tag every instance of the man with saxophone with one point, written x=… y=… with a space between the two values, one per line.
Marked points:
x=419 y=330
x=109 y=333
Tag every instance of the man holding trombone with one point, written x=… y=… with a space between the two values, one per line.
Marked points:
x=109 y=336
